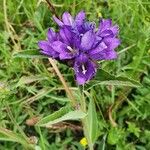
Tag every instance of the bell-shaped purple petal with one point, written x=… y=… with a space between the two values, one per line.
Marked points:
x=96 y=52
x=106 y=54
x=58 y=21
x=112 y=43
x=115 y=29
x=87 y=40
x=111 y=54
x=104 y=24
x=51 y=35
x=105 y=50
x=79 y=19
x=106 y=33
x=106 y=29
x=64 y=50
x=67 y=19
x=58 y=46
x=84 y=69
x=47 y=49
x=66 y=34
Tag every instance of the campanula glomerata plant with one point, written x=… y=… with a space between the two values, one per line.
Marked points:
x=82 y=44
x=75 y=75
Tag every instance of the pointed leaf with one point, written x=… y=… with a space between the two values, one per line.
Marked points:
x=104 y=78
x=8 y=135
x=61 y=115
x=92 y=121
x=53 y=116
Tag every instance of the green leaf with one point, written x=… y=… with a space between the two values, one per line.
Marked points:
x=133 y=129
x=105 y=78
x=61 y=115
x=115 y=134
x=55 y=115
x=102 y=145
x=3 y=137
x=7 y=135
x=92 y=121
x=29 y=54
x=29 y=79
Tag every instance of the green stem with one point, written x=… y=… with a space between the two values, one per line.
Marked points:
x=83 y=102
x=85 y=121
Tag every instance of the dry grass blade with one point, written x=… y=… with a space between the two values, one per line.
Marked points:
x=67 y=89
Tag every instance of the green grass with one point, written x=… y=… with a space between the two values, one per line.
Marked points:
x=29 y=87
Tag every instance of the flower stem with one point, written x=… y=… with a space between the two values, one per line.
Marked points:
x=83 y=102
x=85 y=120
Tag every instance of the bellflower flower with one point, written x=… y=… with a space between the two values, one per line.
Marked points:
x=81 y=43
x=46 y=46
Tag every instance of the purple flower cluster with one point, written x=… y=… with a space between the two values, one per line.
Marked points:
x=81 y=43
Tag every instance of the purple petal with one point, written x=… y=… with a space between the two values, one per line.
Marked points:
x=107 y=29
x=115 y=29
x=112 y=43
x=98 y=49
x=111 y=32
x=67 y=19
x=44 y=45
x=80 y=79
x=58 y=46
x=91 y=70
x=87 y=40
x=106 y=54
x=84 y=69
x=107 y=33
x=104 y=24
x=76 y=42
x=105 y=50
x=47 y=49
x=64 y=56
x=59 y=22
x=66 y=35
x=79 y=19
x=51 y=35
x=111 y=54
x=82 y=59
x=65 y=51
